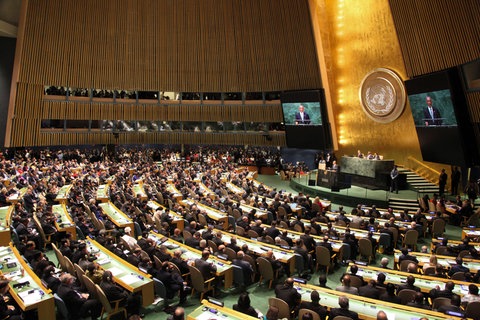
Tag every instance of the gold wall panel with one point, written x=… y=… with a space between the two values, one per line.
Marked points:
x=362 y=38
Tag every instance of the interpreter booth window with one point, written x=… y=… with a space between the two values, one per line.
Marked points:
x=212 y=96
x=118 y=125
x=146 y=126
x=232 y=96
x=125 y=95
x=55 y=91
x=52 y=124
x=79 y=92
x=234 y=126
x=256 y=126
x=254 y=96
x=192 y=126
x=214 y=126
x=191 y=96
x=148 y=95
x=101 y=93
x=78 y=124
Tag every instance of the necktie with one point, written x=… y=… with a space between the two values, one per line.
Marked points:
x=431 y=112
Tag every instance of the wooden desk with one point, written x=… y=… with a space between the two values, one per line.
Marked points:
x=103 y=193
x=403 y=225
x=445 y=261
x=294 y=235
x=224 y=268
x=177 y=219
x=210 y=311
x=425 y=283
x=17 y=196
x=260 y=248
x=5 y=220
x=138 y=190
x=177 y=195
x=62 y=194
x=219 y=216
x=63 y=221
x=470 y=233
x=32 y=296
x=453 y=244
x=367 y=308
x=119 y=218
x=235 y=189
x=125 y=274
x=359 y=233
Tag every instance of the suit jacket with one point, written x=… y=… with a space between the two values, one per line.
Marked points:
x=288 y=294
x=113 y=292
x=206 y=268
x=246 y=268
x=322 y=312
x=406 y=286
x=369 y=292
x=72 y=299
x=436 y=116
x=306 y=118
x=343 y=312
x=181 y=264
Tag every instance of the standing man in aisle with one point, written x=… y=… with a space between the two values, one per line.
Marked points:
x=442 y=182
x=394 y=177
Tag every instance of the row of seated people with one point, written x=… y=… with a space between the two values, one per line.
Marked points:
x=385 y=291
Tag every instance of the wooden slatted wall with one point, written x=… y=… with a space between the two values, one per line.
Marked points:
x=170 y=45
x=160 y=45
x=436 y=34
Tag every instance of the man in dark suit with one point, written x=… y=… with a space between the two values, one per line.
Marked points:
x=272 y=231
x=114 y=293
x=431 y=115
x=369 y=290
x=173 y=282
x=194 y=241
x=301 y=117
x=453 y=307
x=314 y=305
x=288 y=293
x=343 y=302
x=446 y=293
x=308 y=240
x=246 y=267
x=459 y=267
x=406 y=256
x=408 y=285
x=78 y=304
x=179 y=262
x=206 y=268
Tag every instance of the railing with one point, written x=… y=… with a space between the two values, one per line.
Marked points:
x=426 y=172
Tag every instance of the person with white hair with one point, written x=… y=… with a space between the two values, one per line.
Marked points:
x=132 y=242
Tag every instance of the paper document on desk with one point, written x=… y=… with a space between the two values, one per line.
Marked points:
x=30 y=298
x=115 y=271
x=129 y=279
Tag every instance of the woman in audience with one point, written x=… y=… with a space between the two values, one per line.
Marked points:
x=243 y=305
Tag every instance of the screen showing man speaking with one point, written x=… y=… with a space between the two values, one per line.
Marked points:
x=302 y=113
x=306 y=119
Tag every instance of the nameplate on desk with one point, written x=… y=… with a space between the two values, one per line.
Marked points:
x=222 y=256
x=215 y=301
x=300 y=280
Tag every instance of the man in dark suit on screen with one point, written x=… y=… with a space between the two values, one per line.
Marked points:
x=301 y=117
x=431 y=115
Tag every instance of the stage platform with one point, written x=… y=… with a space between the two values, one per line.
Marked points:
x=346 y=197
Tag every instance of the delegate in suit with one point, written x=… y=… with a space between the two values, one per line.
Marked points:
x=301 y=117
x=431 y=115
